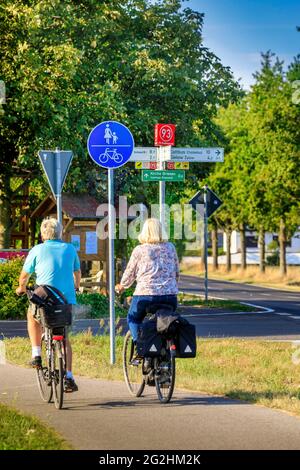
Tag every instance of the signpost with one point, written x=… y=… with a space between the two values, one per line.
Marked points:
x=164 y=134
x=205 y=202
x=110 y=145
x=163 y=175
x=56 y=164
x=200 y=154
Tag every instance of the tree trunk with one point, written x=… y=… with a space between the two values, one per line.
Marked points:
x=214 y=241
x=243 y=246
x=5 y=212
x=262 y=250
x=282 y=247
x=228 y=250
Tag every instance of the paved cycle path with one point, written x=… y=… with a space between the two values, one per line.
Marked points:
x=103 y=416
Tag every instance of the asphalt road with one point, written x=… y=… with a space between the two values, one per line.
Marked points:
x=102 y=415
x=279 y=321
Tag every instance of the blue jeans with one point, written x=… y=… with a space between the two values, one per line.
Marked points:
x=138 y=309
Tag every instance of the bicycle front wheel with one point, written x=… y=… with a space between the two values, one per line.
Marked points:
x=58 y=372
x=43 y=375
x=133 y=371
x=165 y=377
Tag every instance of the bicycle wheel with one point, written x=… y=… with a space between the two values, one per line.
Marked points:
x=133 y=373
x=43 y=374
x=165 y=376
x=103 y=158
x=58 y=373
x=118 y=158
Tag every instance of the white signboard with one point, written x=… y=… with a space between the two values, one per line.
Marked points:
x=144 y=154
x=196 y=154
x=91 y=243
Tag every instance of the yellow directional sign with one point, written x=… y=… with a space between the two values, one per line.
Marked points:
x=178 y=165
x=185 y=165
x=138 y=165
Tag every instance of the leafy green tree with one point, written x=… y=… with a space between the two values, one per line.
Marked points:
x=68 y=65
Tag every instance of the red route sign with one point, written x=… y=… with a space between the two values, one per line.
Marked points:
x=164 y=134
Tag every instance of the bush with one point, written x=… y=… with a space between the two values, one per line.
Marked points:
x=99 y=304
x=11 y=306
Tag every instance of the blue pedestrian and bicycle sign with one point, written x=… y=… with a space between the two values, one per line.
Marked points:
x=110 y=144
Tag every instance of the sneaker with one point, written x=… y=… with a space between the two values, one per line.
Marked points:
x=70 y=386
x=36 y=362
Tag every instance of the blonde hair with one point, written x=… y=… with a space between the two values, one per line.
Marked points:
x=152 y=232
x=51 y=229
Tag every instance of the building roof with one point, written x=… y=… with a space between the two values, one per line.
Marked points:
x=74 y=206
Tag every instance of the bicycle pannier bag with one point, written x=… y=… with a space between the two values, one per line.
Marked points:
x=56 y=312
x=186 y=341
x=149 y=342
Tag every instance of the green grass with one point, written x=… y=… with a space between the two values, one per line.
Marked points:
x=256 y=371
x=189 y=300
x=23 y=432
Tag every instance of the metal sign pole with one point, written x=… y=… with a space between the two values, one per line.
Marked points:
x=111 y=231
x=162 y=191
x=205 y=244
x=58 y=189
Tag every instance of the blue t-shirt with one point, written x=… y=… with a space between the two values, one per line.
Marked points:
x=54 y=263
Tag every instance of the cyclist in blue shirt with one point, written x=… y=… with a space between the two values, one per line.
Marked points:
x=56 y=264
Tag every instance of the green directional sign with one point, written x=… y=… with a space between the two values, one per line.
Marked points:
x=163 y=175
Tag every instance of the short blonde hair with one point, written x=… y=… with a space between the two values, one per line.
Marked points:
x=51 y=229
x=152 y=232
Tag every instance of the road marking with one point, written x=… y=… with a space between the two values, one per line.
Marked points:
x=283 y=314
x=295 y=318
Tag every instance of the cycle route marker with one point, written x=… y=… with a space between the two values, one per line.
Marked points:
x=110 y=145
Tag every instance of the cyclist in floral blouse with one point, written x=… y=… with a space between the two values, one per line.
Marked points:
x=155 y=268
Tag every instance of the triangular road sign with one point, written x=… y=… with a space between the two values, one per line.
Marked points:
x=49 y=161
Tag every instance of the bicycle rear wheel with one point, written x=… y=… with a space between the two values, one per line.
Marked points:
x=165 y=376
x=43 y=375
x=133 y=373
x=58 y=373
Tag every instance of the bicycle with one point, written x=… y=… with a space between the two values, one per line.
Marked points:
x=159 y=371
x=50 y=376
x=104 y=157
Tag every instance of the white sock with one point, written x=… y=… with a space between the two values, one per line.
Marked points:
x=69 y=374
x=36 y=351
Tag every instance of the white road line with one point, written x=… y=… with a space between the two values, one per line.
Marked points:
x=295 y=318
x=283 y=314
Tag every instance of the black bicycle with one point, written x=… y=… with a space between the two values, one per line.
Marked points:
x=50 y=376
x=152 y=371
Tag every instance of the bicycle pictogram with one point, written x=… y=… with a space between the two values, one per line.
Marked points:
x=110 y=155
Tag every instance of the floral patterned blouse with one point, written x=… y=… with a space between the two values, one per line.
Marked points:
x=155 y=268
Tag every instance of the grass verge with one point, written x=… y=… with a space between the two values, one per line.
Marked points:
x=251 y=275
x=23 y=432
x=256 y=371
x=196 y=301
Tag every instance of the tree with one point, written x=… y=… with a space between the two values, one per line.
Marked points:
x=68 y=65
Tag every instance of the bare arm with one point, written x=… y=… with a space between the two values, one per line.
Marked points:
x=23 y=280
x=77 y=278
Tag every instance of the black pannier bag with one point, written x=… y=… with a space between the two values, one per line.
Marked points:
x=149 y=341
x=56 y=312
x=186 y=345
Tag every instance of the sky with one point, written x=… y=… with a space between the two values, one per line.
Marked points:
x=237 y=31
